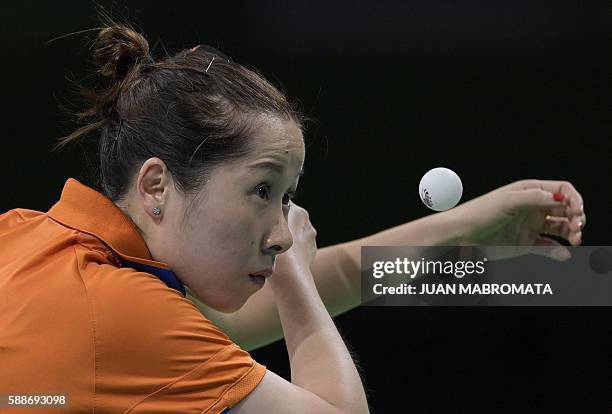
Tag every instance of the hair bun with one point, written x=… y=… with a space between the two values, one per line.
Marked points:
x=118 y=49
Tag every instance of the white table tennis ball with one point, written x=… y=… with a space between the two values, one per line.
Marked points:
x=440 y=189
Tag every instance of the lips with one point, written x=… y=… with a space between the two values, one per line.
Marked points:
x=259 y=278
x=266 y=273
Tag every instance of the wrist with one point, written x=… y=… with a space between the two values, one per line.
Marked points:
x=290 y=273
x=456 y=227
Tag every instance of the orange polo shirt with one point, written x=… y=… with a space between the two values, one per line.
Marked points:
x=86 y=313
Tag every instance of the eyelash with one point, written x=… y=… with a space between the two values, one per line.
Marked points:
x=291 y=194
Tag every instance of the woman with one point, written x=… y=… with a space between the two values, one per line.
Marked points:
x=199 y=158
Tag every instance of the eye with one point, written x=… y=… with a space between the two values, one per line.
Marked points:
x=263 y=191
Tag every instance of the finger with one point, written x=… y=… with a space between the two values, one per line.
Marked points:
x=576 y=204
x=559 y=211
x=577 y=223
x=572 y=206
x=566 y=188
x=563 y=227
x=535 y=198
x=552 y=249
x=547 y=201
x=557 y=226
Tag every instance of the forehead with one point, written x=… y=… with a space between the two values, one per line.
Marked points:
x=277 y=139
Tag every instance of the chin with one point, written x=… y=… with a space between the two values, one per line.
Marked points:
x=228 y=305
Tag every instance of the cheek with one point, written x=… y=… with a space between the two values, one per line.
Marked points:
x=218 y=237
x=231 y=237
x=220 y=252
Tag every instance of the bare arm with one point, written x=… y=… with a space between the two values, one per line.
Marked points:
x=324 y=378
x=513 y=215
x=336 y=271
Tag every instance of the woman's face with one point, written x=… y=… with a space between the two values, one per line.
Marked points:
x=238 y=223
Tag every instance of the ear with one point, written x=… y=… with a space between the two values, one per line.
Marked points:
x=152 y=186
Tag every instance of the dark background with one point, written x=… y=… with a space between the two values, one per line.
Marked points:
x=495 y=90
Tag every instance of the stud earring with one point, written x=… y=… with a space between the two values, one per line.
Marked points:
x=156 y=211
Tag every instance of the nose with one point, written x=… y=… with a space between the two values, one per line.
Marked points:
x=279 y=239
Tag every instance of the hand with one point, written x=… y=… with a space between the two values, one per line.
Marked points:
x=519 y=214
x=304 y=248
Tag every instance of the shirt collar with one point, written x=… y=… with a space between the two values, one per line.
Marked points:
x=88 y=211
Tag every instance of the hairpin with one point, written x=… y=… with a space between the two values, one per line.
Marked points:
x=211 y=61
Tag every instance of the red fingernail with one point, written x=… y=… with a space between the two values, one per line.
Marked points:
x=559 y=196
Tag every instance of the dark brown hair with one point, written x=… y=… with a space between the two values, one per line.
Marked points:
x=194 y=110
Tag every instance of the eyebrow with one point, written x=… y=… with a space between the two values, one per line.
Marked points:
x=273 y=166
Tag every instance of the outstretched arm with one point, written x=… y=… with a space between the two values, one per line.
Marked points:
x=518 y=214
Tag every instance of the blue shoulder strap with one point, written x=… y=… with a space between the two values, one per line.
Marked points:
x=166 y=276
